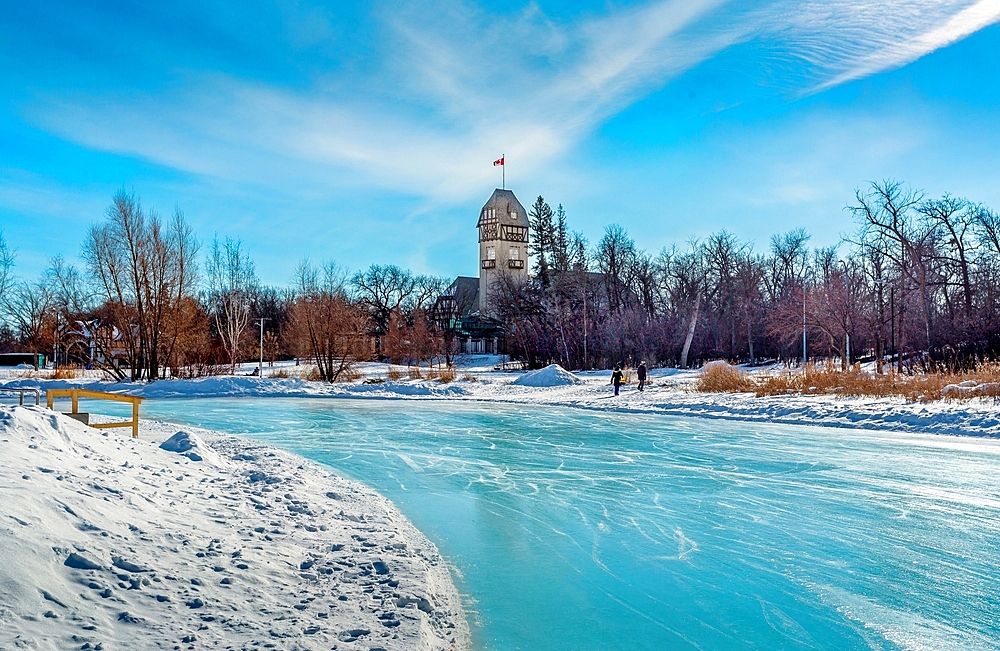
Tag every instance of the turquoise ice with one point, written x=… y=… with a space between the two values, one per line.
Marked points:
x=577 y=530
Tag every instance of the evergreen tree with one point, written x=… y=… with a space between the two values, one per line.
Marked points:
x=543 y=236
x=560 y=244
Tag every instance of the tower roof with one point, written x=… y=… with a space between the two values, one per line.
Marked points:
x=504 y=203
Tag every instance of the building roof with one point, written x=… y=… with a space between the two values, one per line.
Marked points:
x=505 y=203
x=465 y=292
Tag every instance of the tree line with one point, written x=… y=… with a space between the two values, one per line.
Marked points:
x=916 y=284
x=148 y=304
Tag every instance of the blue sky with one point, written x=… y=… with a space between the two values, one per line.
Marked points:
x=365 y=132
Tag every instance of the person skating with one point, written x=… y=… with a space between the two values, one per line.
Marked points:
x=616 y=378
x=641 y=374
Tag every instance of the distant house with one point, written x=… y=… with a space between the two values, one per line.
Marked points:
x=34 y=360
x=90 y=343
x=464 y=311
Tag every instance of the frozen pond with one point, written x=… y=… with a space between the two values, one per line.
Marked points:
x=576 y=530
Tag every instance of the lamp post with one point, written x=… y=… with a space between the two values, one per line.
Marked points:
x=847 y=317
x=261 y=367
x=804 y=355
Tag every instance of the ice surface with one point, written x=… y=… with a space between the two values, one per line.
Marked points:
x=589 y=530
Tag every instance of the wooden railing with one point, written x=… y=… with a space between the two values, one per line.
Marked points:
x=37 y=393
x=76 y=394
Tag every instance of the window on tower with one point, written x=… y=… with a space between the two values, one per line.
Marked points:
x=515 y=254
x=491 y=253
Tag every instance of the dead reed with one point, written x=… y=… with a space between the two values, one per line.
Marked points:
x=719 y=377
x=443 y=375
x=394 y=374
x=66 y=373
x=350 y=374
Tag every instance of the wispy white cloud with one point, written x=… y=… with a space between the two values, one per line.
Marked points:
x=843 y=40
x=454 y=86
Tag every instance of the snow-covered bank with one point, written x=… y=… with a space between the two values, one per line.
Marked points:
x=671 y=393
x=111 y=542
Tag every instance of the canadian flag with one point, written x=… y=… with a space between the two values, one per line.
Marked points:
x=498 y=161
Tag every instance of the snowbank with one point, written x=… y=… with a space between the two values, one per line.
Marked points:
x=552 y=375
x=970 y=388
x=670 y=393
x=191 y=446
x=246 y=387
x=111 y=542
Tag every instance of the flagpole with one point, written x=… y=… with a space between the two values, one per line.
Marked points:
x=503 y=171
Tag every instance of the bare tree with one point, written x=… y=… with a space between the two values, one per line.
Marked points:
x=141 y=270
x=616 y=254
x=688 y=272
x=426 y=289
x=6 y=264
x=383 y=289
x=232 y=282
x=30 y=309
x=328 y=326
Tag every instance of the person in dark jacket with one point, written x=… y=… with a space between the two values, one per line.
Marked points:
x=641 y=374
x=616 y=378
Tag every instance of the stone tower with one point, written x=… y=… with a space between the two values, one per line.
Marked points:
x=503 y=243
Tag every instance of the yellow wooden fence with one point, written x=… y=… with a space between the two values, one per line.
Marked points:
x=76 y=394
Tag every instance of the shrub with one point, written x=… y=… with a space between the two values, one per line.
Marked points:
x=394 y=374
x=349 y=374
x=444 y=375
x=814 y=380
x=720 y=377
x=65 y=373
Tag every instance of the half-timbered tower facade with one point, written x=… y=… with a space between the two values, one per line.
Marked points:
x=503 y=243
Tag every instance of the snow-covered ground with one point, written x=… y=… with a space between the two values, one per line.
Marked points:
x=110 y=542
x=671 y=393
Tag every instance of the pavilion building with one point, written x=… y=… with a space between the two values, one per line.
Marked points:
x=466 y=311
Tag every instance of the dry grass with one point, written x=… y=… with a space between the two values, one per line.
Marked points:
x=281 y=374
x=66 y=373
x=350 y=374
x=311 y=374
x=468 y=377
x=444 y=375
x=413 y=372
x=40 y=374
x=720 y=377
x=394 y=374
x=200 y=370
